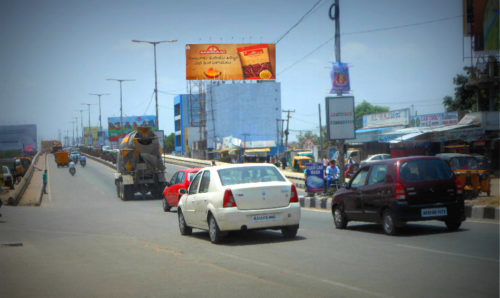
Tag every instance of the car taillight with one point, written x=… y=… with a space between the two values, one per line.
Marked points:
x=294 y=196
x=400 y=193
x=228 y=199
x=460 y=186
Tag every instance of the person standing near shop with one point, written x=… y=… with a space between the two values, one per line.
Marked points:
x=45 y=180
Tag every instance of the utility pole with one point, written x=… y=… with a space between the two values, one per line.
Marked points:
x=287 y=125
x=73 y=139
x=89 y=131
x=340 y=143
x=99 y=95
x=320 y=137
x=76 y=122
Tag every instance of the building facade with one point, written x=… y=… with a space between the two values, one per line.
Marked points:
x=188 y=121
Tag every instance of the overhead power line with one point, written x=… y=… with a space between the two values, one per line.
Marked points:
x=368 y=31
x=299 y=21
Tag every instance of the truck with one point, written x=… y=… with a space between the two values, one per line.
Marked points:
x=139 y=165
x=62 y=158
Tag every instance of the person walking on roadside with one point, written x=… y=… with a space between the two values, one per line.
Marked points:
x=45 y=180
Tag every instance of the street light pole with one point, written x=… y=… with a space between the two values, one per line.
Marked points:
x=121 y=101
x=88 y=104
x=154 y=43
x=99 y=95
x=76 y=122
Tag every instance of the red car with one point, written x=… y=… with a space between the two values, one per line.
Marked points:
x=181 y=179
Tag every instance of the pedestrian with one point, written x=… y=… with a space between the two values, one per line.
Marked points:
x=45 y=180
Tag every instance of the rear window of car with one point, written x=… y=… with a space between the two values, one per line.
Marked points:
x=242 y=175
x=422 y=170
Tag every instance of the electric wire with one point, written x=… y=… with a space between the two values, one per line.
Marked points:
x=367 y=31
x=299 y=21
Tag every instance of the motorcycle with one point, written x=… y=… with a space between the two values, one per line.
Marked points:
x=72 y=171
x=83 y=162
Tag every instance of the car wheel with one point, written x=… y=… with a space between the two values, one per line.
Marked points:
x=166 y=206
x=290 y=231
x=183 y=227
x=389 y=223
x=339 y=218
x=215 y=233
x=453 y=224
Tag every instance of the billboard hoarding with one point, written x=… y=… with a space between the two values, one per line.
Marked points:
x=315 y=180
x=91 y=135
x=340 y=77
x=435 y=119
x=230 y=61
x=130 y=123
x=392 y=118
x=340 y=117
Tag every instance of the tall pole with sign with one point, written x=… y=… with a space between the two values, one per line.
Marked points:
x=340 y=142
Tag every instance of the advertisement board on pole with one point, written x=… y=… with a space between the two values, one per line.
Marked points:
x=116 y=132
x=230 y=61
x=340 y=78
x=315 y=180
x=340 y=117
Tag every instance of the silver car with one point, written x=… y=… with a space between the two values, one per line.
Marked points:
x=375 y=157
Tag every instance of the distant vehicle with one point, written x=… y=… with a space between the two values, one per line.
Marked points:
x=7 y=178
x=62 y=158
x=396 y=191
x=107 y=148
x=239 y=197
x=375 y=157
x=75 y=155
x=299 y=163
x=180 y=179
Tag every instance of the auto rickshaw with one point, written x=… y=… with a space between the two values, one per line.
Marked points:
x=466 y=169
x=484 y=173
x=299 y=162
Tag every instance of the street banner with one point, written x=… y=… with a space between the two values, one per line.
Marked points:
x=130 y=123
x=230 y=61
x=392 y=118
x=315 y=180
x=340 y=117
x=340 y=77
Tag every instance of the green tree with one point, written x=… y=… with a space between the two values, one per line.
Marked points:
x=170 y=143
x=366 y=108
x=303 y=136
x=468 y=97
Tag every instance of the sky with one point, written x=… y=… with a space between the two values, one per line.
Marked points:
x=54 y=53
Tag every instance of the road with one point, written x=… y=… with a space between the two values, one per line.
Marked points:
x=85 y=242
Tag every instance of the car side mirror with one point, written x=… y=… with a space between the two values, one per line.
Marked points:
x=183 y=191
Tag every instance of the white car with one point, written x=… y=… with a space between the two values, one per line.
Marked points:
x=239 y=197
x=375 y=157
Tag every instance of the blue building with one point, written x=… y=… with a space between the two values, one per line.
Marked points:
x=245 y=113
x=187 y=122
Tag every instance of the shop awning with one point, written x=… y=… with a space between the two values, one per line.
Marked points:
x=257 y=150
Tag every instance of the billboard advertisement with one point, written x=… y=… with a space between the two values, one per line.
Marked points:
x=315 y=180
x=481 y=21
x=340 y=77
x=230 y=61
x=340 y=117
x=116 y=131
x=392 y=118
x=91 y=135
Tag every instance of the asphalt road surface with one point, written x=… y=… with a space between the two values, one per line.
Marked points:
x=85 y=242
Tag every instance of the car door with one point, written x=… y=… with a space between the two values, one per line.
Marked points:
x=352 y=200
x=202 y=199
x=190 y=203
x=171 y=189
x=179 y=183
x=373 y=193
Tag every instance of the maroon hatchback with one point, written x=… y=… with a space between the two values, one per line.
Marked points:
x=395 y=191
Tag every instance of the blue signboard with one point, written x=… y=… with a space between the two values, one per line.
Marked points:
x=315 y=177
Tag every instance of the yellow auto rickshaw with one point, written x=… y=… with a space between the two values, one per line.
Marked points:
x=483 y=169
x=299 y=162
x=466 y=170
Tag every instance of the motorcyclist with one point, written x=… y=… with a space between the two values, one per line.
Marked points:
x=83 y=160
x=72 y=167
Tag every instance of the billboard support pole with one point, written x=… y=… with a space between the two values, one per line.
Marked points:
x=339 y=143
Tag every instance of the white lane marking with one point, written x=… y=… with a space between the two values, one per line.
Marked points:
x=447 y=253
x=327 y=281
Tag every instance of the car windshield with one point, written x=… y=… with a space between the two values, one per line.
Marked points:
x=464 y=163
x=425 y=170
x=191 y=176
x=242 y=175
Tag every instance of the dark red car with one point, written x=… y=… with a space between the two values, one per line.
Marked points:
x=180 y=179
x=395 y=191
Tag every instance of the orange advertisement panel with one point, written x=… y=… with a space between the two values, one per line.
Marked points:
x=230 y=61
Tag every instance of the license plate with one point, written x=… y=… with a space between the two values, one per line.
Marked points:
x=265 y=218
x=431 y=212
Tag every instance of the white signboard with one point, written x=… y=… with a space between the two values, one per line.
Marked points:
x=435 y=119
x=340 y=117
x=392 y=118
